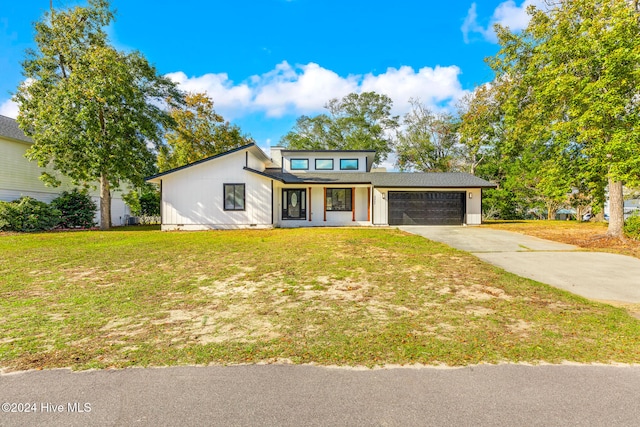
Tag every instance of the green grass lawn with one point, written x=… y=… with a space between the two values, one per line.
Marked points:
x=141 y=297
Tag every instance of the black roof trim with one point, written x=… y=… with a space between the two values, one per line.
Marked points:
x=235 y=150
x=327 y=151
x=263 y=174
x=437 y=186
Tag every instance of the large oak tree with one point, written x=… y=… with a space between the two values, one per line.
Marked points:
x=573 y=98
x=92 y=111
x=356 y=122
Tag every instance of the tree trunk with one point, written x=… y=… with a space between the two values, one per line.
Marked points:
x=616 y=210
x=105 y=203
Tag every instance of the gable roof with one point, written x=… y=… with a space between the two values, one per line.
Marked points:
x=9 y=128
x=253 y=147
x=381 y=179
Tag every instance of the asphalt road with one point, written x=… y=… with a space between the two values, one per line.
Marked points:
x=594 y=275
x=285 y=395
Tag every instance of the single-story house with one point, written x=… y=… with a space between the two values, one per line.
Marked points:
x=245 y=187
x=20 y=177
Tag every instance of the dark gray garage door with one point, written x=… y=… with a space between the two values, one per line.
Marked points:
x=426 y=208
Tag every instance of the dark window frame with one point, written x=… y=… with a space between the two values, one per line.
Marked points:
x=325 y=169
x=348 y=207
x=302 y=202
x=350 y=160
x=235 y=203
x=299 y=160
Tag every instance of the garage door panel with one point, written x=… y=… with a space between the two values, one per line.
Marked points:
x=426 y=208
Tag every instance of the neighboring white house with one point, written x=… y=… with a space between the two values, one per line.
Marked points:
x=245 y=188
x=20 y=177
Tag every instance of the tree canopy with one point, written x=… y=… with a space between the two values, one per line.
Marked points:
x=569 y=93
x=91 y=110
x=199 y=132
x=355 y=122
x=428 y=141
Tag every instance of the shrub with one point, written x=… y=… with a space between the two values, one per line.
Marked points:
x=145 y=204
x=9 y=216
x=28 y=214
x=76 y=209
x=632 y=227
x=150 y=203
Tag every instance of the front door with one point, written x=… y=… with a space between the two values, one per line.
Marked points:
x=294 y=204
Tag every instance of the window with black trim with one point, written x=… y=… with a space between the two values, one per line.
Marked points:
x=349 y=164
x=234 y=197
x=339 y=199
x=324 y=164
x=299 y=164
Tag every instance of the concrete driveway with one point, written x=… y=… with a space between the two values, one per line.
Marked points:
x=594 y=275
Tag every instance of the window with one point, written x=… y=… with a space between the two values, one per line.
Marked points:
x=294 y=204
x=299 y=164
x=233 y=197
x=338 y=199
x=324 y=164
x=349 y=164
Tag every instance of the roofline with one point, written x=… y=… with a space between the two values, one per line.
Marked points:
x=21 y=141
x=303 y=182
x=436 y=186
x=27 y=139
x=327 y=151
x=206 y=159
x=369 y=182
x=263 y=174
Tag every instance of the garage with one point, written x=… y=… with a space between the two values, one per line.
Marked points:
x=426 y=208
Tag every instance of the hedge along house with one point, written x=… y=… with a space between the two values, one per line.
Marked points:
x=21 y=177
x=245 y=188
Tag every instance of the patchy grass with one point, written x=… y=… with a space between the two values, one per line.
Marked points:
x=587 y=235
x=326 y=296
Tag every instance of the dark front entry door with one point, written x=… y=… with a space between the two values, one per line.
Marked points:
x=294 y=204
x=426 y=208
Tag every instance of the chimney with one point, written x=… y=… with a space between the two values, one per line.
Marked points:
x=276 y=155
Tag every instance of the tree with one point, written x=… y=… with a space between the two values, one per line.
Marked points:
x=91 y=110
x=428 y=141
x=574 y=76
x=481 y=127
x=199 y=132
x=355 y=122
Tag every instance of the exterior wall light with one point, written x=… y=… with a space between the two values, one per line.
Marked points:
x=471 y=195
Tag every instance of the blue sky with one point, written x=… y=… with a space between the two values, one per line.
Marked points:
x=266 y=62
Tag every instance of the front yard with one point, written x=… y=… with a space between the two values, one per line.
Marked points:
x=140 y=297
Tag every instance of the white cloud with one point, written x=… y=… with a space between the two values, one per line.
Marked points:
x=437 y=87
x=305 y=89
x=9 y=109
x=301 y=90
x=227 y=97
x=507 y=14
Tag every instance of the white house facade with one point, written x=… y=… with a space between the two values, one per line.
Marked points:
x=20 y=177
x=246 y=188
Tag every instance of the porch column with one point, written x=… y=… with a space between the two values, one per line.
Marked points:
x=368 y=204
x=325 y=204
x=353 y=203
x=309 y=204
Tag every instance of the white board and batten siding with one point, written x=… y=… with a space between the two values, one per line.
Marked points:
x=473 y=214
x=20 y=177
x=193 y=198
